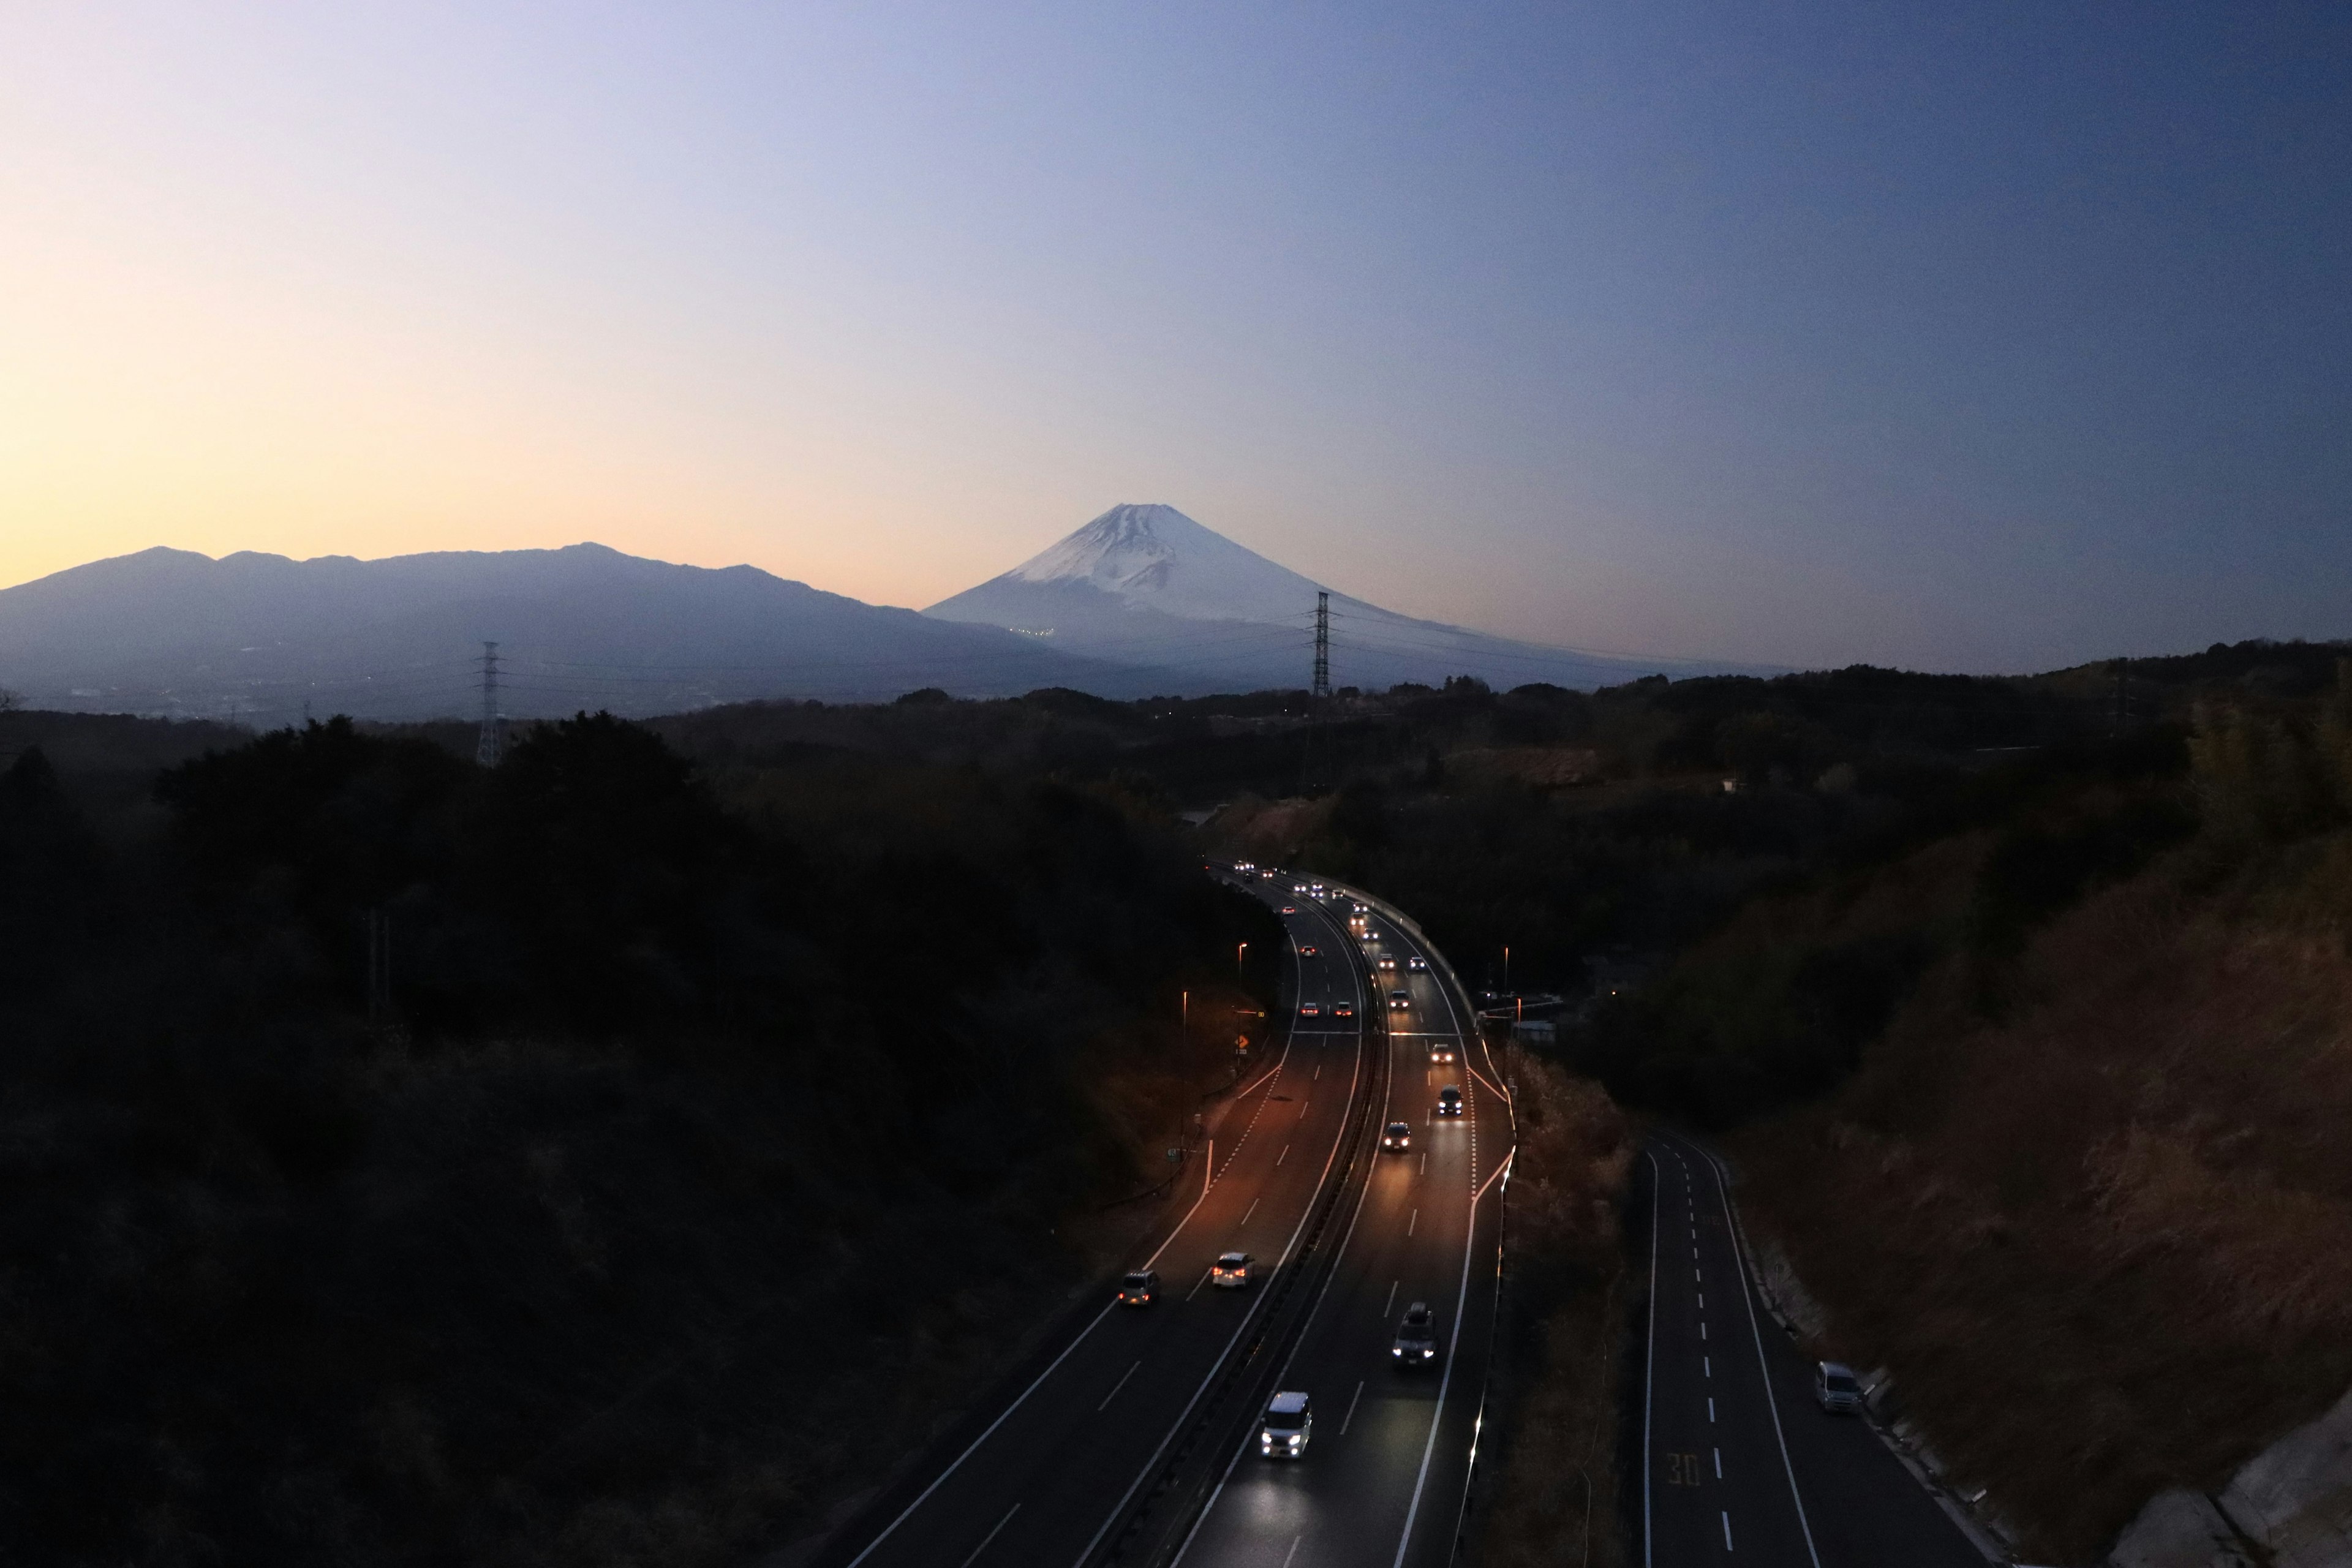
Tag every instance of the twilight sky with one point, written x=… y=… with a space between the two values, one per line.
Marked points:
x=1962 y=336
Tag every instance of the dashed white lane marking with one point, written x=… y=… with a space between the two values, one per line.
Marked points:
x=1249 y=1211
x=1694 y=1232
x=1710 y=1407
x=1694 y=1274
x=1115 y=1388
x=1702 y=1300
x=1390 y=1305
x=1424 y=1161
x=991 y=1535
x=1414 y=1221
x=1301 y=1536
x=1702 y=1331
x=1707 y=1366
x=1195 y=1290
x=1718 y=1464
x=1359 y=1394
x=1278 y=1159
x=1726 y=1537
x=1693 y=1255
x=1235 y=1152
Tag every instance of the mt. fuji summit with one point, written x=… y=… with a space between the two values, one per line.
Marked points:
x=1145 y=584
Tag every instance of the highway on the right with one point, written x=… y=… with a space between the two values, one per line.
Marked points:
x=1740 y=1463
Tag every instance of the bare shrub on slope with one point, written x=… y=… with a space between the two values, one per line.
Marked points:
x=1555 y=1429
x=2105 y=1240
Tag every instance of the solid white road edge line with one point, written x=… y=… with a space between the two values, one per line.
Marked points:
x=1763 y=1368
x=991 y=1535
x=1388 y=1104
x=1355 y=1079
x=1650 y=1361
x=1461 y=1297
x=1077 y=1340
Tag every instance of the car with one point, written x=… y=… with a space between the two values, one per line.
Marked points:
x=1231 y=1271
x=1307 y=949
x=1417 y=963
x=1317 y=890
x=1310 y=1009
x=1299 y=889
x=1289 y=1421
x=1441 y=1052
x=1416 y=1337
x=1290 y=909
x=1343 y=1010
x=1449 y=1100
x=1397 y=1137
x=1836 y=1389
x=1387 y=963
x=1244 y=865
x=1399 y=1000
x=1140 y=1289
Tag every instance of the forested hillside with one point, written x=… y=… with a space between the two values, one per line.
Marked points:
x=706 y=1139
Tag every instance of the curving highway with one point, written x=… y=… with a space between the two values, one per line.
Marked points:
x=1118 y=1441
x=1387 y=1468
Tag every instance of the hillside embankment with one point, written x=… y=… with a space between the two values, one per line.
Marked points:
x=1554 y=1489
x=2056 y=1119
x=586 y=1161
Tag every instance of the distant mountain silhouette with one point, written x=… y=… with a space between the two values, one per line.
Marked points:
x=259 y=636
x=1147 y=585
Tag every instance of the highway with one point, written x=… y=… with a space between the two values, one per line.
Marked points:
x=1130 y=1436
x=1741 y=1466
x=1045 y=1467
x=1383 y=1478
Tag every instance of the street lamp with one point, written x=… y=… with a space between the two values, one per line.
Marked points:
x=1507 y=969
x=1239 y=949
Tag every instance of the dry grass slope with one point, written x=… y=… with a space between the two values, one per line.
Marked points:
x=1555 y=1500
x=2105 y=1238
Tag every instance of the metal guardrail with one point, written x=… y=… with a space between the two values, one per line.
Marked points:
x=1161 y=1518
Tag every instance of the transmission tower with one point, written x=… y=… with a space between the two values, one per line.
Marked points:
x=493 y=743
x=1322 y=646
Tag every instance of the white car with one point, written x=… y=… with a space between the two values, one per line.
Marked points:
x=1836 y=1389
x=1231 y=1271
x=1289 y=1421
x=1417 y=963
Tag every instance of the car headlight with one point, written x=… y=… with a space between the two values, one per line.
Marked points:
x=1297 y=1440
x=1396 y=1350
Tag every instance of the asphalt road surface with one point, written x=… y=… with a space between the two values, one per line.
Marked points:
x=1741 y=1466
x=1041 y=1473
x=1382 y=1479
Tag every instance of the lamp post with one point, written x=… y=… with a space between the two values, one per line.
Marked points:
x=1239 y=949
x=1507 y=969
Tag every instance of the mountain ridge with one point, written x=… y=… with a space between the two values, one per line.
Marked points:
x=177 y=632
x=1143 y=581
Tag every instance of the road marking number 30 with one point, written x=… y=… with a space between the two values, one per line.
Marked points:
x=1682 y=1469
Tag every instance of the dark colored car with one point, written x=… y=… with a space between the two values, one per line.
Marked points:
x=1140 y=1289
x=1397 y=1137
x=1416 y=1338
x=1449 y=1100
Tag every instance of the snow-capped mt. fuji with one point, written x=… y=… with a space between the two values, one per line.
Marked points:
x=1145 y=584
x=1152 y=556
